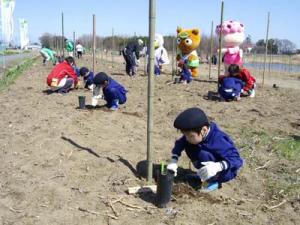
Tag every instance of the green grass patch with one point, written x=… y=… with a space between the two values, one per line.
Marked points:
x=288 y=148
x=9 y=52
x=12 y=74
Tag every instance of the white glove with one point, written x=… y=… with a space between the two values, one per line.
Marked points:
x=138 y=61
x=95 y=99
x=173 y=166
x=210 y=169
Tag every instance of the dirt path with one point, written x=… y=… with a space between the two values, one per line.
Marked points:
x=61 y=165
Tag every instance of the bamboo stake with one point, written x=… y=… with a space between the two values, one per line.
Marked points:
x=220 y=44
x=63 y=35
x=112 y=48
x=74 y=45
x=173 y=57
x=94 y=43
x=266 y=51
x=211 y=49
x=152 y=14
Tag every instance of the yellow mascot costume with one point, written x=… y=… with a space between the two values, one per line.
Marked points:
x=188 y=41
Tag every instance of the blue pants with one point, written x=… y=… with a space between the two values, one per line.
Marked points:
x=114 y=97
x=130 y=62
x=185 y=75
x=222 y=176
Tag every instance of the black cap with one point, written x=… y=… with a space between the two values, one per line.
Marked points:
x=191 y=118
x=100 y=78
x=83 y=71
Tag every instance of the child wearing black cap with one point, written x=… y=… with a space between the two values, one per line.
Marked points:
x=113 y=92
x=88 y=77
x=211 y=151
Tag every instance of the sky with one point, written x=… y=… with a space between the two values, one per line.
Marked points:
x=127 y=17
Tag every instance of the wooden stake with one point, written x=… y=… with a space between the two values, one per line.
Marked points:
x=266 y=51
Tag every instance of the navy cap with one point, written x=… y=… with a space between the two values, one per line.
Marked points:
x=83 y=71
x=100 y=78
x=191 y=118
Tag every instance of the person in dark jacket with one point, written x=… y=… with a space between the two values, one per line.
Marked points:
x=88 y=77
x=113 y=92
x=230 y=88
x=211 y=151
x=131 y=54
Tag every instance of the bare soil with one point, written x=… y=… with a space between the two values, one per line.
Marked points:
x=62 y=165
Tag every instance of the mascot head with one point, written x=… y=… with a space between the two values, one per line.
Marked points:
x=232 y=33
x=188 y=39
x=159 y=41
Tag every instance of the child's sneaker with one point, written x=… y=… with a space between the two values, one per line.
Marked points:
x=209 y=186
x=113 y=108
x=252 y=93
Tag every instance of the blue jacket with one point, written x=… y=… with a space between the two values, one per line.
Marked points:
x=114 y=91
x=216 y=142
x=230 y=87
x=88 y=79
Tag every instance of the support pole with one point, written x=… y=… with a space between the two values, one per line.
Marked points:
x=173 y=57
x=62 y=34
x=94 y=43
x=266 y=51
x=112 y=48
x=74 y=50
x=211 y=49
x=220 y=43
x=152 y=14
x=145 y=59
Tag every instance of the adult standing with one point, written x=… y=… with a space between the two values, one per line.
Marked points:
x=131 y=54
x=79 y=50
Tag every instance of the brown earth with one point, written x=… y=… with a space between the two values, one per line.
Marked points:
x=61 y=165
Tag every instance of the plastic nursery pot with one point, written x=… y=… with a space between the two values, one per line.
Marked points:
x=164 y=188
x=81 y=102
x=176 y=80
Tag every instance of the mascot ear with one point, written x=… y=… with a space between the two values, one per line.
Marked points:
x=195 y=31
x=179 y=29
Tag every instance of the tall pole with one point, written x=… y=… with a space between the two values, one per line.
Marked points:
x=62 y=34
x=145 y=58
x=211 y=49
x=266 y=51
x=112 y=48
x=152 y=14
x=94 y=43
x=220 y=43
x=173 y=57
x=74 y=49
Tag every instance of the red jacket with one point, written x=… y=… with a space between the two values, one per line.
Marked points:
x=246 y=77
x=60 y=71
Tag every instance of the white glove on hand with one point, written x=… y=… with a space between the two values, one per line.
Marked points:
x=95 y=99
x=137 y=61
x=173 y=166
x=210 y=169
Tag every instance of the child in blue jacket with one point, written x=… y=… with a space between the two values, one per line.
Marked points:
x=211 y=151
x=231 y=88
x=88 y=77
x=113 y=92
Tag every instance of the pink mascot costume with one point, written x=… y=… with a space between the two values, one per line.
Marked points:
x=233 y=35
